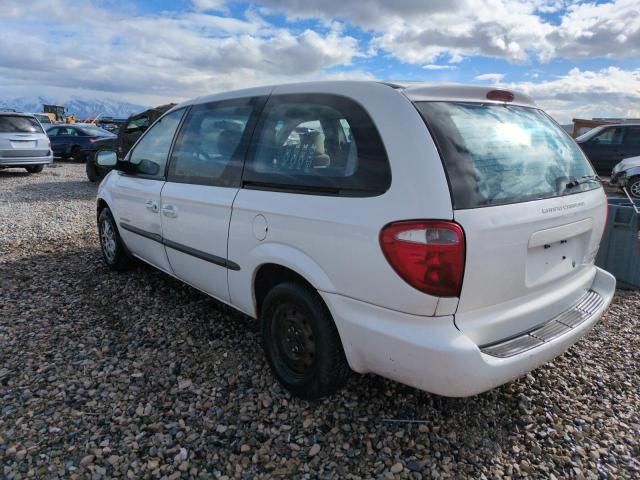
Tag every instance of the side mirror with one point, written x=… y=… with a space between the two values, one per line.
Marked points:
x=106 y=158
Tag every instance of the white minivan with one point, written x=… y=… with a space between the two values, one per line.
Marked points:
x=440 y=236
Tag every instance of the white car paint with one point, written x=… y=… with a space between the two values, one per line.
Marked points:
x=136 y=201
x=515 y=280
x=531 y=278
x=198 y=216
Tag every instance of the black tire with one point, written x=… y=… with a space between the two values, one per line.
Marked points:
x=115 y=255
x=633 y=186
x=92 y=170
x=301 y=342
x=34 y=168
x=77 y=154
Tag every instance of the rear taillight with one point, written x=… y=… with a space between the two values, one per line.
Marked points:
x=93 y=139
x=428 y=254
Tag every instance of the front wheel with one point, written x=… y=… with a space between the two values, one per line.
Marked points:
x=114 y=252
x=301 y=342
x=92 y=170
x=633 y=186
x=34 y=168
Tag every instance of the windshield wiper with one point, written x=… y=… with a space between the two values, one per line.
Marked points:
x=582 y=180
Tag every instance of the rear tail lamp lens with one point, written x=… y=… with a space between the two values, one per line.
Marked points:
x=428 y=254
x=93 y=139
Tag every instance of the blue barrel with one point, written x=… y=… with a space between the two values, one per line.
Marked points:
x=619 y=251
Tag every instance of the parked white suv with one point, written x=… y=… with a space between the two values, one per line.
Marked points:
x=440 y=236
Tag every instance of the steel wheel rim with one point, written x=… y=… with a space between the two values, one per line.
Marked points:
x=294 y=341
x=635 y=189
x=108 y=240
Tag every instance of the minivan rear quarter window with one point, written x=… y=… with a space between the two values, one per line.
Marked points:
x=19 y=124
x=498 y=154
x=317 y=144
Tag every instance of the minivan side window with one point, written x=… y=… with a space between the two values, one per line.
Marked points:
x=209 y=148
x=151 y=152
x=317 y=144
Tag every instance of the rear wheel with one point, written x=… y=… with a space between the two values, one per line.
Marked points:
x=77 y=154
x=114 y=252
x=301 y=342
x=633 y=186
x=34 y=168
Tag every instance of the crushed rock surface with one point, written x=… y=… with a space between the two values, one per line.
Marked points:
x=137 y=376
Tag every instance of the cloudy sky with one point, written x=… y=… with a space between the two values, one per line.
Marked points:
x=576 y=58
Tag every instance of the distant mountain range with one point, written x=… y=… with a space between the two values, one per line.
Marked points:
x=81 y=108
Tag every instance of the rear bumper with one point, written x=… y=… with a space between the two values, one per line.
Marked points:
x=7 y=162
x=430 y=353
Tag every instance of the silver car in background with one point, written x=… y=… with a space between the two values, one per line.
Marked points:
x=23 y=142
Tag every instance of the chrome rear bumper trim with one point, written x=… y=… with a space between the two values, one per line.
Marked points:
x=588 y=305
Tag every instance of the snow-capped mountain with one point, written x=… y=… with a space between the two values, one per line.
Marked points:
x=81 y=108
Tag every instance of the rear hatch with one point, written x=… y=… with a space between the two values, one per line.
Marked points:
x=22 y=136
x=531 y=210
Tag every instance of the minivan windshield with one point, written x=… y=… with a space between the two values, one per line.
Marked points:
x=497 y=154
x=19 y=124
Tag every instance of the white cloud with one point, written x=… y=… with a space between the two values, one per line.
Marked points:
x=162 y=56
x=610 y=92
x=415 y=31
x=490 y=77
x=418 y=32
x=209 y=4
x=602 y=30
x=65 y=47
x=432 y=66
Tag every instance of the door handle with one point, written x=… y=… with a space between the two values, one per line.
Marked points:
x=151 y=205
x=170 y=211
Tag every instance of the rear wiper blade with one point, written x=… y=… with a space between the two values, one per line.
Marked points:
x=582 y=180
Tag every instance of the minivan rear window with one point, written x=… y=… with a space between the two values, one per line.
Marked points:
x=19 y=124
x=501 y=154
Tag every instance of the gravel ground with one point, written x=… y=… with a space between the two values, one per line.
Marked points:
x=135 y=375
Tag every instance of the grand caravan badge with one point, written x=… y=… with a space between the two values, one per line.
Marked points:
x=563 y=208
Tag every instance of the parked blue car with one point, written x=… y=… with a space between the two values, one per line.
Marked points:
x=75 y=140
